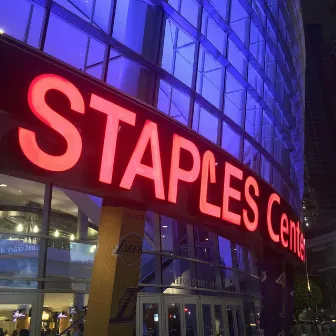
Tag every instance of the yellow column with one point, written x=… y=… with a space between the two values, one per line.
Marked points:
x=22 y=323
x=115 y=274
x=64 y=322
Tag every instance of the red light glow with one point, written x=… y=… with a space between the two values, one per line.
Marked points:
x=115 y=114
x=273 y=198
x=177 y=173
x=149 y=134
x=208 y=166
x=36 y=100
x=230 y=192
x=251 y=225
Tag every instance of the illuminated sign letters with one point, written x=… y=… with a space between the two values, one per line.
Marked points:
x=78 y=133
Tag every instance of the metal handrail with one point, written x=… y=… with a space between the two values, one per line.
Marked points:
x=72 y=325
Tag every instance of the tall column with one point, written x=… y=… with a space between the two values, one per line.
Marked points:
x=277 y=294
x=22 y=322
x=82 y=233
x=115 y=275
x=64 y=322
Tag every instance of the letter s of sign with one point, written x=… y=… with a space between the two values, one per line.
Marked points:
x=37 y=103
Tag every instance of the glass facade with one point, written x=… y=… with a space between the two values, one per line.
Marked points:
x=231 y=70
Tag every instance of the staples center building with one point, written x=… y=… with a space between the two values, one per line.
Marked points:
x=151 y=166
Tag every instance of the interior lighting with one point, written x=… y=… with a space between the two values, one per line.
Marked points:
x=45 y=316
x=307 y=224
x=164 y=226
x=56 y=233
x=35 y=229
x=3 y=185
x=19 y=228
x=1 y=31
x=93 y=248
x=72 y=237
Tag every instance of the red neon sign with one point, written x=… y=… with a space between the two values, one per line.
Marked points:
x=240 y=198
x=36 y=99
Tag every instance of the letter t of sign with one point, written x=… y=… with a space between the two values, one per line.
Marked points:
x=115 y=114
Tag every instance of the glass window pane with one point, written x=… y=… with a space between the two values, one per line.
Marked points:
x=149 y=271
x=65 y=42
x=267 y=134
x=178 y=273
x=253 y=118
x=205 y=123
x=213 y=32
x=241 y=28
x=277 y=181
x=151 y=226
x=203 y=246
x=119 y=68
x=240 y=258
x=35 y=28
x=237 y=59
x=69 y=260
x=225 y=252
x=174 y=237
x=234 y=99
x=14 y=16
x=173 y=103
x=18 y=258
x=266 y=169
x=231 y=141
x=209 y=78
x=251 y=157
x=21 y=205
x=229 y=280
x=190 y=11
x=206 y=276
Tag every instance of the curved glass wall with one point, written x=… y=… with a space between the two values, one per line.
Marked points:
x=48 y=245
x=232 y=70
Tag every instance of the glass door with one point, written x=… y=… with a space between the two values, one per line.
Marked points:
x=149 y=317
x=235 y=317
x=213 y=318
x=191 y=317
x=173 y=316
x=20 y=311
x=181 y=316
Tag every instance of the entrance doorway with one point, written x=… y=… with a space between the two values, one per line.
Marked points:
x=20 y=311
x=177 y=315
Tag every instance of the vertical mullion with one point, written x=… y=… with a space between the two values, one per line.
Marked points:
x=108 y=47
x=159 y=53
x=25 y=39
x=195 y=68
x=45 y=231
x=45 y=25
x=173 y=66
x=88 y=37
x=157 y=248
